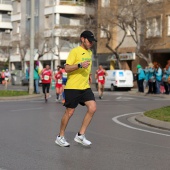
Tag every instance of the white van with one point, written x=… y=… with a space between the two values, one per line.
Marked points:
x=119 y=79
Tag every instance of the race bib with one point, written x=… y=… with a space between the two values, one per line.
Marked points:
x=64 y=75
x=100 y=77
x=6 y=78
x=59 y=81
x=46 y=77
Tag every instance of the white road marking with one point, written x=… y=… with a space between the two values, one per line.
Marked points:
x=27 y=109
x=115 y=119
x=124 y=98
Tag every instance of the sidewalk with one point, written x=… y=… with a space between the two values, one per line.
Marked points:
x=134 y=91
x=152 y=122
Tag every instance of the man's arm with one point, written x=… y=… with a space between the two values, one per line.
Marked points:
x=90 y=78
x=106 y=73
x=71 y=68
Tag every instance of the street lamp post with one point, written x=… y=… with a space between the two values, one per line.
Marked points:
x=52 y=56
x=31 y=83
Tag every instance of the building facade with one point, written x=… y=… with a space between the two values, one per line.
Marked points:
x=58 y=25
x=5 y=29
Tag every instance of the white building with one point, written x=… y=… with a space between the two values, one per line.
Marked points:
x=58 y=25
x=5 y=28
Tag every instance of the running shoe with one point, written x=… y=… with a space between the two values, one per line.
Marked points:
x=61 y=141
x=82 y=139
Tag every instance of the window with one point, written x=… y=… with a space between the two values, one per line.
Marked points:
x=18 y=28
x=128 y=32
x=153 y=1
x=130 y=2
x=105 y=3
x=168 y=24
x=154 y=27
x=103 y=33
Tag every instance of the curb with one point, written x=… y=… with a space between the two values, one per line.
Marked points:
x=21 y=97
x=149 y=95
x=152 y=122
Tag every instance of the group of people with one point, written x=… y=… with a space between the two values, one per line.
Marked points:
x=5 y=77
x=60 y=77
x=154 y=77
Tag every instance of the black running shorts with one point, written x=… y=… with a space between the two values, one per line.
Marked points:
x=45 y=87
x=75 y=97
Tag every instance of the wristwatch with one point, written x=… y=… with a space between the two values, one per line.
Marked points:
x=79 y=65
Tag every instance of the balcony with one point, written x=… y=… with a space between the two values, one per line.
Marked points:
x=16 y=17
x=5 y=25
x=5 y=2
x=64 y=31
x=70 y=7
x=69 y=2
x=5 y=5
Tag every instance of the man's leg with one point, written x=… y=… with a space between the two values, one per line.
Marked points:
x=64 y=121
x=80 y=137
x=91 y=109
x=60 y=139
x=37 y=86
x=102 y=89
x=99 y=89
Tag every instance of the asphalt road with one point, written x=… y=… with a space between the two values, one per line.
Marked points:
x=28 y=130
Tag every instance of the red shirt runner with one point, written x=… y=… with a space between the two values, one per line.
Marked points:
x=58 y=77
x=46 y=76
x=100 y=76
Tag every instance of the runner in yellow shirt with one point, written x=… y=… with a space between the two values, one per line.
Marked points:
x=77 y=90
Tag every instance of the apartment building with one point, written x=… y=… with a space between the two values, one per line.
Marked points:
x=104 y=55
x=153 y=34
x=152 y=29
x=110 y=35
x=5 y=29
x=158 y=32
x=58 y=24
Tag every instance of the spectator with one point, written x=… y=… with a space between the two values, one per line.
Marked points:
x=166 y=74
x=158 y=76
x=151 y=78
x=3 y=76
x=141 y=77
x=145 y=83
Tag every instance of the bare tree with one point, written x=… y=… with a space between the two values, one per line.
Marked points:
x=129 y=17
x=5 y=47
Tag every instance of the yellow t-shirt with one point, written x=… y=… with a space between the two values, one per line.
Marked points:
x=79 y=79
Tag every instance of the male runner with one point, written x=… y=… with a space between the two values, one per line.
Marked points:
x=58 y=79
x=100 y=77
x=46 y=76
x=77 y=90
x=64 y=81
